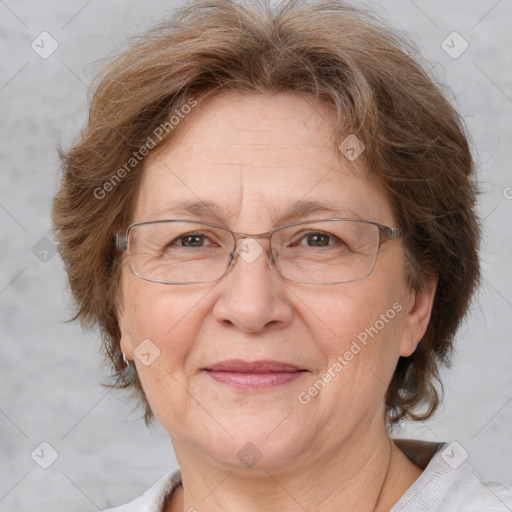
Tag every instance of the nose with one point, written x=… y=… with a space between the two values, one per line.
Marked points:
x=252 y=296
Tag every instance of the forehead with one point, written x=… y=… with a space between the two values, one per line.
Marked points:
x=253 y=159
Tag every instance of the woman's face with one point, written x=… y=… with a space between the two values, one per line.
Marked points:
x=254 y=158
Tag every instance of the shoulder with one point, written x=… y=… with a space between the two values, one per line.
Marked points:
x=154 y=498
x=449 y=484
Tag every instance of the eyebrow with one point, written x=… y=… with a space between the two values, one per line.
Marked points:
x=298 y=210
x=198 y=208
x=305 y=208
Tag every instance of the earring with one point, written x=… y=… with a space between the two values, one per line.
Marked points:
x=127 y=362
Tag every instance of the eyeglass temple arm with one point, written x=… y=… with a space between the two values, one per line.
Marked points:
x=120 y=242
x=391 y=233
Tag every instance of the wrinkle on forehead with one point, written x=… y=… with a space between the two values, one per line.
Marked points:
x=237 y=118
x=255 y=157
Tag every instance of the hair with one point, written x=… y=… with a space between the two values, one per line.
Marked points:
x=416 y=148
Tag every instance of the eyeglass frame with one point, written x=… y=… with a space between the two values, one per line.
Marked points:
x=121 y=243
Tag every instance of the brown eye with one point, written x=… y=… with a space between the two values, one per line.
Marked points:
x=318 y=239
x=192 y=240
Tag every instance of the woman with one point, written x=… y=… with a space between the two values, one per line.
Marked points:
x=270 y=215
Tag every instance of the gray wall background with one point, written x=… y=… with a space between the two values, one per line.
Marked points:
x=50 y=369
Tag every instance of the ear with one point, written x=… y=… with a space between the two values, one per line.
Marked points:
x=418 y=311
x=125 y=342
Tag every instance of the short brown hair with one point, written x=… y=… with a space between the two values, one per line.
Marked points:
x=416 y=148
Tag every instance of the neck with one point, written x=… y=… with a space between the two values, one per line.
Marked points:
x=363 y=474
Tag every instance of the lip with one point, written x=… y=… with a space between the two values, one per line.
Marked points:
x=254 y=375
x=241 y=366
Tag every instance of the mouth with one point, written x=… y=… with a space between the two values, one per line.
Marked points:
x=255 y=375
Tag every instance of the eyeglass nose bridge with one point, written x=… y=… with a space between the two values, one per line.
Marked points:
x=237 y=237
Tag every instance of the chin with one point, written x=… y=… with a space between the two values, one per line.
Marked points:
x=256 y=444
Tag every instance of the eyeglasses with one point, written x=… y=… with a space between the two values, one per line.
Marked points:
x=325 y=251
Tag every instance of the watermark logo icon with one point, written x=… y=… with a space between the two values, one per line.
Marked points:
x=454 y=455
x=147 y=352
x=44 y=455
x=44 y=250
x=44 y=45
x=454 y=45
x=249 y=455
x=351 y=147
x=249 y=250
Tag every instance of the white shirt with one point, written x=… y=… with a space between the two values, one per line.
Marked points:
x=448 y=484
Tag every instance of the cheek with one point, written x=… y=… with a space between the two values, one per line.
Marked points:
x=360 y=355
x=359 y=311
x=163 y=323
x=357 y=328
x=168 y=318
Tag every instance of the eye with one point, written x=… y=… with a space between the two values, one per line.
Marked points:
x=317 y=239
x=192 y=240
x=314 y=239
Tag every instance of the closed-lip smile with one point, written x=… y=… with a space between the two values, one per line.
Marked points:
x=254 y=375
